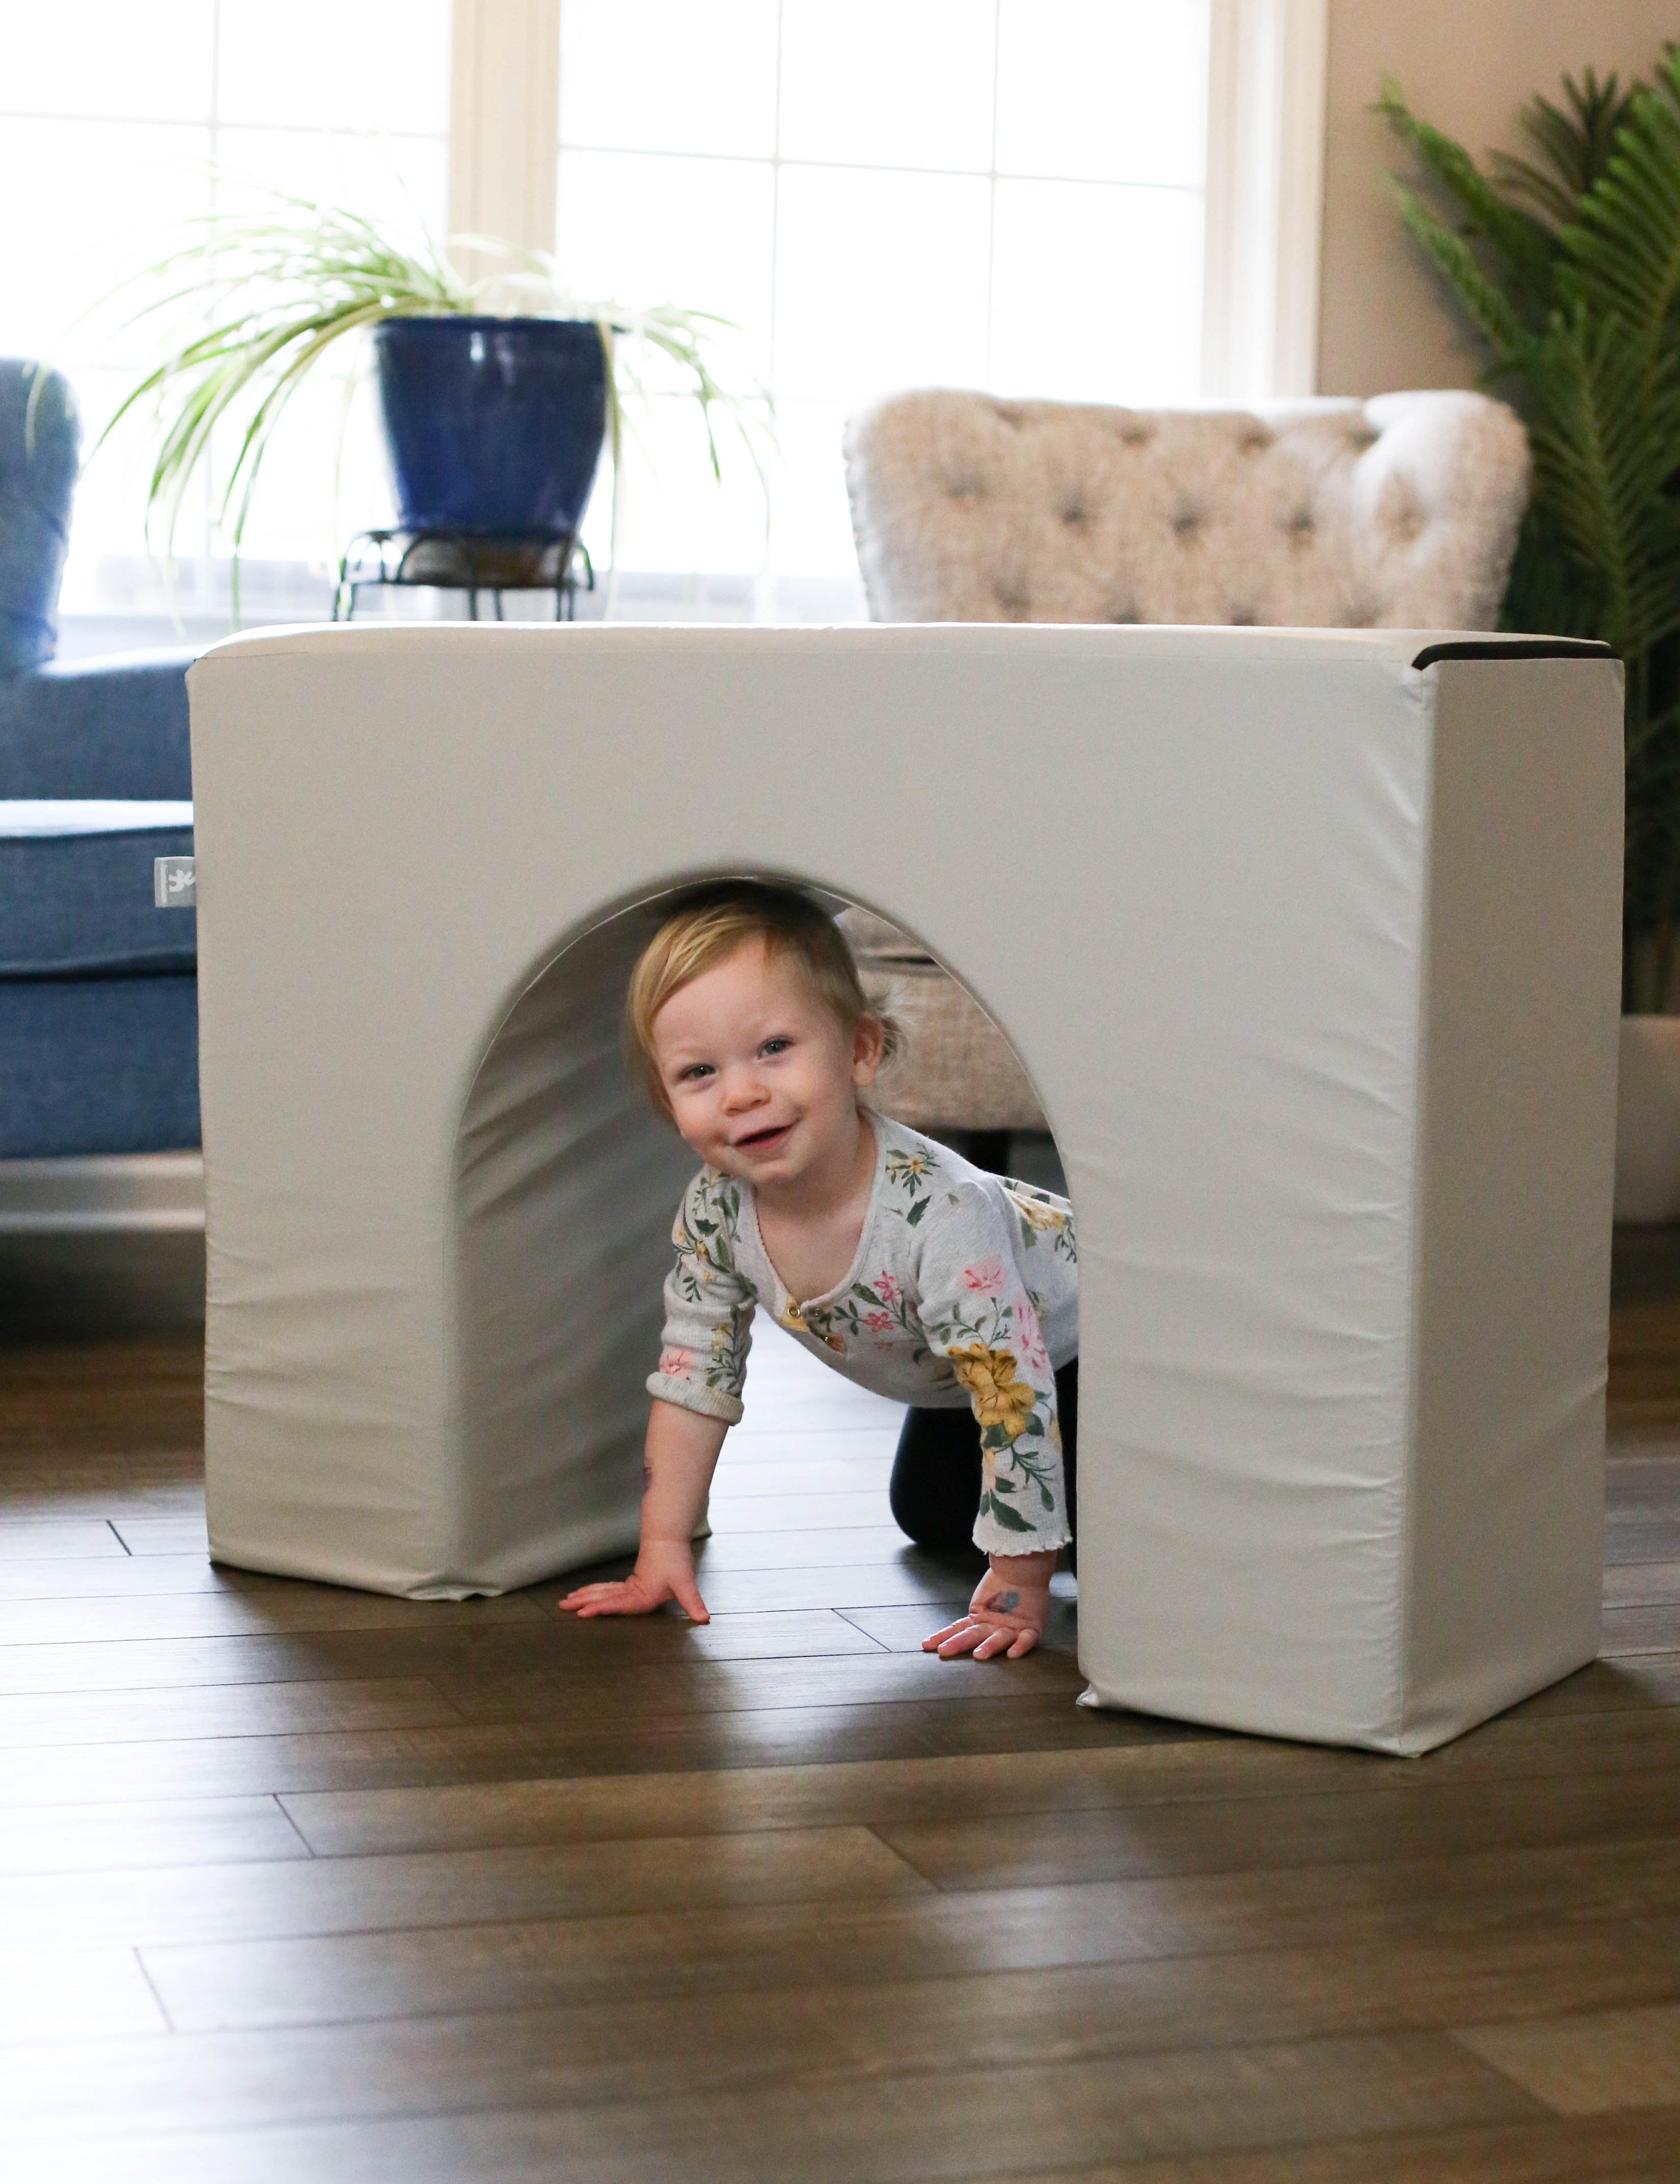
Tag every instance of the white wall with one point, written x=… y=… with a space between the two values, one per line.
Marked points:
x=1468 y=66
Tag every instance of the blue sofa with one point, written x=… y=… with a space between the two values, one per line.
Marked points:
x=99 y=1014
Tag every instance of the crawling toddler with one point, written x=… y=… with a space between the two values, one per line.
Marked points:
x=884 y=1253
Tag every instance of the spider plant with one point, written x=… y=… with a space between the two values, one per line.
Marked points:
x=1567 y=266
x=254 y=301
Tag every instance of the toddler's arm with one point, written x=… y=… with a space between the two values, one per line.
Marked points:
x=680 y=1455
x=976 y=1312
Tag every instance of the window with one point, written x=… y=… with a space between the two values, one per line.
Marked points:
x=997 y=193
x=1106 y=199
x=111 y=115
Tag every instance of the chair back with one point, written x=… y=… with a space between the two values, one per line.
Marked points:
x=1401 y=512
x=40 y=450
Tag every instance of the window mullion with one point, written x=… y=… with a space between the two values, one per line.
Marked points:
x=1264 y=197
x=504 y=109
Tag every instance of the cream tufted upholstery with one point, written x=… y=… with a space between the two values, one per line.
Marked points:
x=1401 y=512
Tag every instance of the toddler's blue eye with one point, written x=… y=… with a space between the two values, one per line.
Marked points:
x=775 y=1045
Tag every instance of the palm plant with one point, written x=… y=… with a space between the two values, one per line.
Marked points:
x=1568 y=267
x=254 y=301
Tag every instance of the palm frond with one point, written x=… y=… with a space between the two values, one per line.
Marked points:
x=1496 y=318
x=1574 y=146
x=1623 y=250
x=1593 y=356
x=1549 y=592
x=1523 y=243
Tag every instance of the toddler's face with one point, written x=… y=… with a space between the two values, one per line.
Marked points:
x=761 y=1075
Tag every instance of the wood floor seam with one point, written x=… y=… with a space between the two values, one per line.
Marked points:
x=858 y=1626
x=169 y=2032
x=1625 y=1983
x=950 y=2078
x=279 y=1806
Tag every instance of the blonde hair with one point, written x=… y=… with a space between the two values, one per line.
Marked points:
x=710 y=922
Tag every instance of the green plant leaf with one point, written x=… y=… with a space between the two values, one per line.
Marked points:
x=1591 y=354
x=1574 y=146
x=1521 y=241
x=1496 y=318
x=1623 y=247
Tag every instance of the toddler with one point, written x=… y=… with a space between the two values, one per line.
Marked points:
x=883 y=1253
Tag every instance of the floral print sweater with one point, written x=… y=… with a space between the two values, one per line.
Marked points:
x=964 y=1290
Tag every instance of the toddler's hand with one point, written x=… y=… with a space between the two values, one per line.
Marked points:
x=664 y=1570
x=1005 y=1617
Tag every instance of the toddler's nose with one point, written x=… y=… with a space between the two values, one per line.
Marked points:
x=741 y=1089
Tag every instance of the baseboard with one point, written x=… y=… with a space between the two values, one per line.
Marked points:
x=105 y=1194
x=101 y=1245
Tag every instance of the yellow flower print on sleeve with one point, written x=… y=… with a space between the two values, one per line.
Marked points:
x=1000 y=1397
x=1040 y=1217
x=1036 y=1213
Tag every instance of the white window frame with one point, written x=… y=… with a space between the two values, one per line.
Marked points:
x=505 y=119
x=1268 y=76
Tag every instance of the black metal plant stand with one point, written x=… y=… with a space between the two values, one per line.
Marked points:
x=465 y=562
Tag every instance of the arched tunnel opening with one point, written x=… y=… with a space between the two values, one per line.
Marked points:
x=567 y=1184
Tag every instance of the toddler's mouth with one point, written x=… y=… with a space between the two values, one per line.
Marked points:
x=759 y=1141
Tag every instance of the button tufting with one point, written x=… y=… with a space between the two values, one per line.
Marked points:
x=1214 y=501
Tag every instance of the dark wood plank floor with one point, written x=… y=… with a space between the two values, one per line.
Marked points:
x=297 y=1883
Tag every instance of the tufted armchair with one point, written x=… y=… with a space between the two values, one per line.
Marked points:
x=1398 y=513
x=1401 y=512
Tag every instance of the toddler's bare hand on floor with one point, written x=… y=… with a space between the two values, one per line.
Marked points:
x=1002 y=1619
x=662 y=1573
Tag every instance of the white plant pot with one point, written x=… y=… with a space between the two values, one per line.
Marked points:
x=1648 y=1120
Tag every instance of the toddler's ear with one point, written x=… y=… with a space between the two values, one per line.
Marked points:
x=868 y=1044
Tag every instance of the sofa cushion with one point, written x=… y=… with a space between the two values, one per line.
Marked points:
x=75 y=889
x=98 y=1065
x=116 y=725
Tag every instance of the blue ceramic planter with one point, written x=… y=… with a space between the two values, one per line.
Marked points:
x=494 y=426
